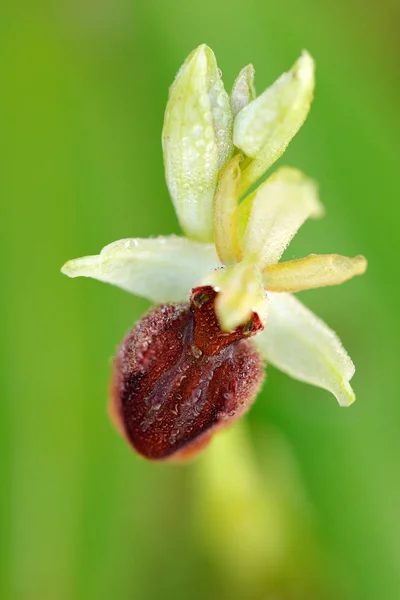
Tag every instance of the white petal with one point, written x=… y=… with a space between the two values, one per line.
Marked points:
x=197 y=141
x=264 y=128
x=243 y=90
x=300 y=344
x=279 y=207
x=314 y=271
x=162 y=269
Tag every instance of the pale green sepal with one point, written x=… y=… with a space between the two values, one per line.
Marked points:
x=313 y=271
x=243 y=214
x=243 y=91
x=264 y=128
x=278 y=208
x=226 y=236
x=197 y=141
x=163 y=269
x=240 y=293
x=300 y=344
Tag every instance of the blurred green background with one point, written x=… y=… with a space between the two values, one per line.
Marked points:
x=303 y=504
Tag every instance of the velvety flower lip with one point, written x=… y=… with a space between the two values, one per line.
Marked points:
x=216 y=147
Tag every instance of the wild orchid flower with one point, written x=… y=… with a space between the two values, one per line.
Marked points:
x=188 y=367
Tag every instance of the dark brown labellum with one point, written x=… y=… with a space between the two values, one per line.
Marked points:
x=178 y=377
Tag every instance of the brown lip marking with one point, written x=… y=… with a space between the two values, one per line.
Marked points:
x=178 y=378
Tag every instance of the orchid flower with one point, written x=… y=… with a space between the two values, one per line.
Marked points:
x=216 y=148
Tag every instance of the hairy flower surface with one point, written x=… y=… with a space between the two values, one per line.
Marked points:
x=187 y=368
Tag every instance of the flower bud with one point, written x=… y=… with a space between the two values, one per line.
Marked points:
x=178 y=377
x=243 y=91
x=197 y=141
x=264 y=128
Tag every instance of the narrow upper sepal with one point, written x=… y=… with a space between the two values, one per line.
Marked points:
x=243 y=91
x=264 y=128
x=162 y=269
x=278 y=208
x=197 y=141
x=298 y=343
x=314 y=271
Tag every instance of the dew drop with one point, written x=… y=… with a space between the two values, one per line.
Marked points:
x=221 y=100
x=208 y=132
x=197 y=131
x=145 y=425
x=196 y=351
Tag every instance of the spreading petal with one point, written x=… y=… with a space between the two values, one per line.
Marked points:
x=162 y=269
x=264 y=128
x=301 y=345
x=278 y=208
x=197 y=141
x=316 y=270
x=243 y=91
x=226 y=233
